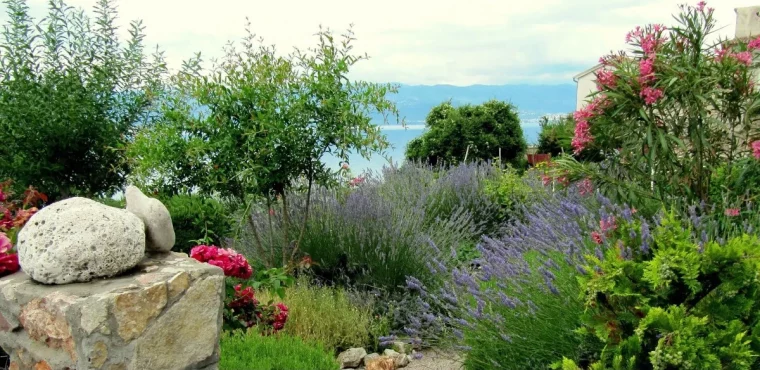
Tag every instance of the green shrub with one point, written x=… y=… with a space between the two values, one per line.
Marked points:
x=278 y=352
x=674 y=303
x=327 y=315
x=511 y=191
x=734 y=182
x=71 y=94
x=195 y=217
x=118 y=203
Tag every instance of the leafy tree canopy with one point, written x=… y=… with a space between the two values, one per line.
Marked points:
x=471 y=131
x=70 y=97
x=257 y=120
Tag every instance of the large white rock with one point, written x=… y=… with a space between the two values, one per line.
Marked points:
x=159 y=230
x=78 y=240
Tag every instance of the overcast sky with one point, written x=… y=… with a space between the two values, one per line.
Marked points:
x=418 y=41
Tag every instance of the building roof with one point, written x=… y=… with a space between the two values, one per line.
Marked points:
x=590 y=70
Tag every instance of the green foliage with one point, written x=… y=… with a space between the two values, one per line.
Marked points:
x=737 y=182
x=683 y=305
x=511 y=192
x=696 y=119
x=253 y=351
x=117 y=203
x=198 y=220
x=71 y=96
x=257 y=122
x=476 y=132
x=555 y=135
x=274 y=280
x=328 y=315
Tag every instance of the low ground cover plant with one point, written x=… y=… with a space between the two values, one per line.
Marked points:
x=251 y=351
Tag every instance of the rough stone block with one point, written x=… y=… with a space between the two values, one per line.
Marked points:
x=166 y=314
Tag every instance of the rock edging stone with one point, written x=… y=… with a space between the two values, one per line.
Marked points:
x=167 y=314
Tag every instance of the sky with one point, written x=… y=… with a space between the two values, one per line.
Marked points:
x=415 y=41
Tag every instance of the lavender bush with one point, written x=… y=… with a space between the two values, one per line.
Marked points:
x=388 y=227
x=520 y=308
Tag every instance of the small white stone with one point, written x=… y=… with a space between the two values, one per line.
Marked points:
x=159 y=231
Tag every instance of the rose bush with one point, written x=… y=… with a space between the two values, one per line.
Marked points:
x=242 y=309
x=14 y=213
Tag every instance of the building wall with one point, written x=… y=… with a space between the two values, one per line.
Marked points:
x=585 y=86
x=747 y=21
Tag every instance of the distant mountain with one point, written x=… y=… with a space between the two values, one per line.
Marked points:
x=532 y=101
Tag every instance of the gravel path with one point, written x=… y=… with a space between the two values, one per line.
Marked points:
x=434 y=360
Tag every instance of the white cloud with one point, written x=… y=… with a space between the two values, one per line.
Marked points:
x=418 y=41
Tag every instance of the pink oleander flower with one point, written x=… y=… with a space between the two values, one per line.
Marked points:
x=582 y=136
x=756 y=149
x=635 y=34
x=606 y=78
x=596 y=237
x=754 y=44
x=721 y=53
x=732 y=212
x=585 y=187
x=744 y=57
x=646 y=70
x=5 y=243
x=651 y=95
x=701 y=6
x=2 y=196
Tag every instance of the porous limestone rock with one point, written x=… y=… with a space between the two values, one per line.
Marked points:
x=159 y=231
x=78 y=240
x=166 y=314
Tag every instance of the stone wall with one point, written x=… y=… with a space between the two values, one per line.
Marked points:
x=165 y=314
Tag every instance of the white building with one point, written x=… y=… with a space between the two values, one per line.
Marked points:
x=585 y=83
x=747 y=25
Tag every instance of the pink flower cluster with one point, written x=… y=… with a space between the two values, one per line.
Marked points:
x=607 y=224
x=756 y=149
x=8 y=260
x=646 y=70
x=233 y=263
x=585 y=187
x=732 y=212
x=651 y=95
x=606 y=78
x=582 y=135
x=356 y=181
x=280 y=317
x=649 y=39
x=250 y=313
